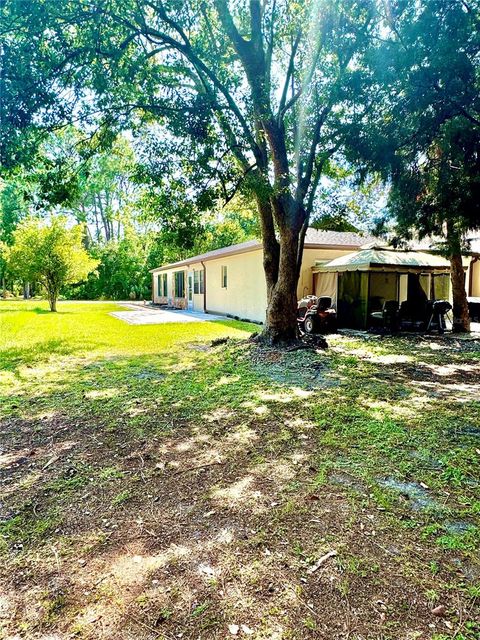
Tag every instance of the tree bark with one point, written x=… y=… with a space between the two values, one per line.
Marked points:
x=281 y=316
x=461 y=315
x=52 y=298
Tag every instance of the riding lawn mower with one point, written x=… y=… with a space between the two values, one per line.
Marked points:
x=316 y=315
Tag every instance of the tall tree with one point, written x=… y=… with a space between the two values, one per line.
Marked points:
x=439 y=196
x=421 y=124
x=261 y=91
x=15 y=194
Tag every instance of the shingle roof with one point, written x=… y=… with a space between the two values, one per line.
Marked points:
x=313 y=238
x=337 y=238
x=243 y=247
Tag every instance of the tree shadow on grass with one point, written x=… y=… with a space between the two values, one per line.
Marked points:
x=36 y=310
x=11 y=359
x=40 y=311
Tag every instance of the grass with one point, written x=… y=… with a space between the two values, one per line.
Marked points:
x=156 y=484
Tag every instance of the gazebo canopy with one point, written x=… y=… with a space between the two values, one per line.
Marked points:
x=385 y=259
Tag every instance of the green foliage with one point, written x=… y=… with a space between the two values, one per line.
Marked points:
x=253 y=99
x=443 y=186
x=51 y=254
x=121 y=273
x=237 y=223
x=421 y=128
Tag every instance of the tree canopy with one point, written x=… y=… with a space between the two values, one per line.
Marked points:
x=421 y=126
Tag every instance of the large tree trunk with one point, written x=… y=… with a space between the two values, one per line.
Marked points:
x=281 y=317
x=461 y=316
x=280 y=262
x=271 y=248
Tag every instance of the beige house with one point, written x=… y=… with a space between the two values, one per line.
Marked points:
x=231 y=281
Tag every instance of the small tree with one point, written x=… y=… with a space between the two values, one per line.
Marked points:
x=51 y=254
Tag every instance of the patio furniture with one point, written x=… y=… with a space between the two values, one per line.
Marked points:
x=388 y=315
x=374 y=274
x=414 y=315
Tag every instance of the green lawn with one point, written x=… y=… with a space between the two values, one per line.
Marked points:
x=152 y=484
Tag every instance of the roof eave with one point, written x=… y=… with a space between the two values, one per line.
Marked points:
x=226 y=254
x=346 y=247
x=207 y=258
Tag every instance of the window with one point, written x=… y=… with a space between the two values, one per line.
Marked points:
x=179 y=279
x=162 y=290
x=198 y=282
x=165 y=285
x=224 y=277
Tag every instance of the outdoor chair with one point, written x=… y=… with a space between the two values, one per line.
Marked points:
x=413 y=315
x=388 y=315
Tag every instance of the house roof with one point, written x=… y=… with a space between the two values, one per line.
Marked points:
x=314 y=238
x=435 y=243
x=378 y=256
x=344 y=239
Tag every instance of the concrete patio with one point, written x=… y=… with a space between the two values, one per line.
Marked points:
x=141 y=314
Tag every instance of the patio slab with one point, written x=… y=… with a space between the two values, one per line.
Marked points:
x=141 y=315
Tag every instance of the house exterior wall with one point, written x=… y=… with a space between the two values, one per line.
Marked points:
x=158 y=296
x=198 y=298
x=305 y=281
x=171 y=299
x=245 y=295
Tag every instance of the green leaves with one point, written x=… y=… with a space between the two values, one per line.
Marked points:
x=51 y=254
